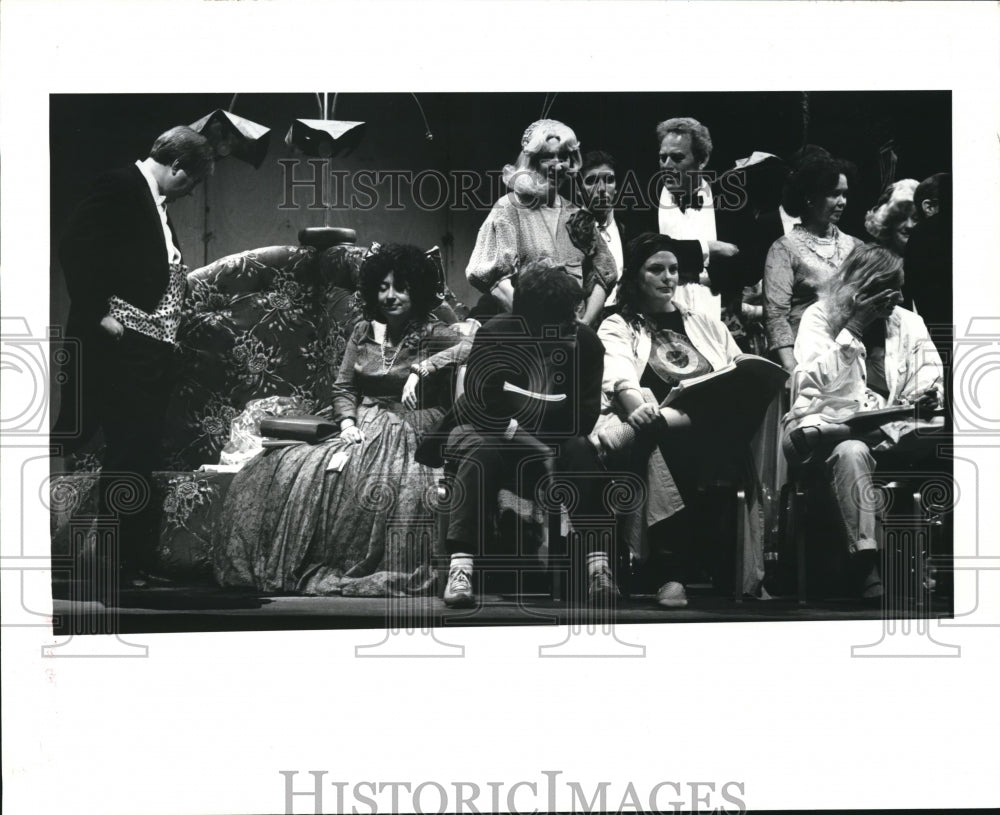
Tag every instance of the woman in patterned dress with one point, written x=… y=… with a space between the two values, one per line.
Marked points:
x=798 y=264
x=302 y=519
x=534 y=221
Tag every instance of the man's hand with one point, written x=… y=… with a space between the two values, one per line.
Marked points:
x=111 y=327
x=410 y=392
x=646 y=415
x=721 y=249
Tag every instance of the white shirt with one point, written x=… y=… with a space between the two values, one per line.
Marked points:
x=692 y=224
x=831 y=376
x=610 y=233
x=173 y=253
x=787 y=221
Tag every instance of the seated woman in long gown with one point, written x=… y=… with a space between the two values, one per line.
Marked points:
x=857 y=350
x=649 y=347
x=300 y=519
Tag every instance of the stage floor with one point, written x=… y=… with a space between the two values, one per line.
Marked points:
x=208 y=608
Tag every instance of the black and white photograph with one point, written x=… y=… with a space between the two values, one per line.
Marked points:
x=628 y=370
x=277 y=422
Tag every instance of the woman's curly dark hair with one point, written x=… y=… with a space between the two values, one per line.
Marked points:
x=637 y=251
x=545 y=295
x=413 y=272
x=817 y=176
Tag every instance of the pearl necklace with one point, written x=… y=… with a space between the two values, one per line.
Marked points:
x=388 y=363
x=813 y=242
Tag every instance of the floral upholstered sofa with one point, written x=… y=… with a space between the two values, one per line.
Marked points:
x=261 y=323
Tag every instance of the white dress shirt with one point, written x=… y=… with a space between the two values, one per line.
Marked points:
x=787 y=221
x=692 y=224
x=173 y=253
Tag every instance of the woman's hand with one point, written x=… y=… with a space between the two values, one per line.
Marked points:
x=350 y=432
x=112 y=327
x=871 y=307
x=787 y=357
x=410 y=392
x=646 y=415
x=928 y=400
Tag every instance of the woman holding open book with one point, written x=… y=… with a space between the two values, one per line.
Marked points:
x=857 y=352
x=651 y=348
x=314 y=518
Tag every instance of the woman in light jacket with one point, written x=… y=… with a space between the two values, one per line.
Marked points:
x=857 y=350
x=650 y=346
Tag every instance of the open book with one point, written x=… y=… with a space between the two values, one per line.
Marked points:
x=748 y=382
x=865 y=420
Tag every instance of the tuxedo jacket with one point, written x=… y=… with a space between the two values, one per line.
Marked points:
x=927 y=264
x=113 y=245
x=731 y=225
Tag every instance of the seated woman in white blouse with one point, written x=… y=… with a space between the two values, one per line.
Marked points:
x=533 y=221
x=650 y=347
x=857 y=350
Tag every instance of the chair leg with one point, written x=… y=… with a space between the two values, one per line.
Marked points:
x=798 y=529
x=738 y=565
x=557 y=557
x=441 y=560
x=921 y=551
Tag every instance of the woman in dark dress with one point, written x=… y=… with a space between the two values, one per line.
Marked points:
x=315 y=519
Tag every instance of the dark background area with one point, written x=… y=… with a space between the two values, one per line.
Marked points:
x=238 y=208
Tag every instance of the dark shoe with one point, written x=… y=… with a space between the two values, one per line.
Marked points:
x=867 y=578
x=130 y=578
x=154 y=579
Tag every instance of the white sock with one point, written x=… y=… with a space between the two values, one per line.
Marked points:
x=461 y=560
x=597 y=561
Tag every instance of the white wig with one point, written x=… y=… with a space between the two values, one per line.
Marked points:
x=893 y=207
x=523 y=177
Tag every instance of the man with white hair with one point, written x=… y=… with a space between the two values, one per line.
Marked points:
x=686 y=209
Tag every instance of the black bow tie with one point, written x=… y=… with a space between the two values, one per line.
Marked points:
x=683 y=203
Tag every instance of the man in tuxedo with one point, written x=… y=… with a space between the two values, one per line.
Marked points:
x=125 y=278
x=687 y=212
